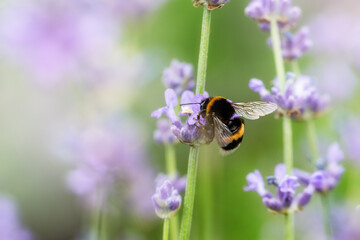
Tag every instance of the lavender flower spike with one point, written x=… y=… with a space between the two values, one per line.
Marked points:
x=263 y=10
x=299 y=100
x=294 y=45
x=179 y=76
x=190 y=133
x=211 y=4
x=328 y=174
x=285 y=199
x=163 y=133
x=256 y=183
x=178 y=182
x=166 y=200
x=168 y=110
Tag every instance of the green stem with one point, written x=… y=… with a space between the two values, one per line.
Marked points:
x=206 y=195
x=326 y=215
x=288 y=144
x=194 y=151
x=174 y=227
x=311 y=132
x=170 y=160
x=289 y=224
x=166 y=229
x=279 y=62
x=99 y=216
x=287 y=130
x=204 y=48
x=170 y=157
x=189 y=194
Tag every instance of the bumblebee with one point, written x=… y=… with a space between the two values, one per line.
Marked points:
x=225 y=119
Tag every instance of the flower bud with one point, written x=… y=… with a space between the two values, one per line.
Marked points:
x=211 y=4
x=166 y=200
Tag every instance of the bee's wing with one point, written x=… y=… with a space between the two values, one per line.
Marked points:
x=254 y=110
x=222 y=132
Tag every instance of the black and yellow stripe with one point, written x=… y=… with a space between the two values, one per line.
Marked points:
x=235 y=139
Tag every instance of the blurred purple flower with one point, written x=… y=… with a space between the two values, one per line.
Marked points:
x=329 y=72
x=263 y=10
x=299 y=96
x=294 y=45
x=163 y=133
x=10 y=224
x=54 y=40
x=211 y=4
x=108 y=155
x=329 y=173
x=179 y=76
x=344 y=223
x=171 y=102
x=256 y=183
x=350 y=135
x=341 y=44
x=166 y=200
x=285 y=199
x=131 y=10
x=178 y=182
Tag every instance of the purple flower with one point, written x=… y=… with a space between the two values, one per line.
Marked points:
x=285 y=199
x=132 y=10
x=168 y=110
x=191 y=132
x=178 y=182
x=263 y=10
x=109 y=155
x=351 y=138
x=329 y=173
x=10 y=224
x=294 y=45
x=328 y=72
x=256 y=183
x=179 y=76
x=166 y=200
x=211 y=4
x=299 y=98
x=163 y=133
x=55 y=40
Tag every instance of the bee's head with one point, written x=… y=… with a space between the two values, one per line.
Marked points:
x=204 y=104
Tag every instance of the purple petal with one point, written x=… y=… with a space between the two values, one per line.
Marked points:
x=170 y=98
x=157 y=113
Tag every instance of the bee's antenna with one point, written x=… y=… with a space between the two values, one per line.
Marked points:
x=188 y=104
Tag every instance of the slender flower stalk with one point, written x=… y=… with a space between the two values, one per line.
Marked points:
x=311 y=131
x=166 y=229
x=313 y=145
x=99 y=215
x=194 y=151
x=287 y=130
x=278 y=59
x=206 y=195
x=170 y=160
x=326 y=215
x=171 y=171
x=189 y=194
x=289 y=224
x=203 y=54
